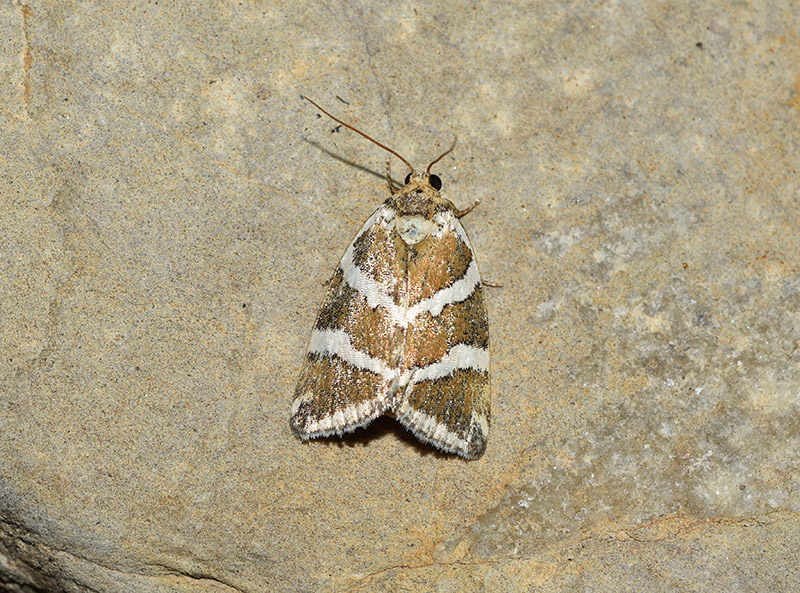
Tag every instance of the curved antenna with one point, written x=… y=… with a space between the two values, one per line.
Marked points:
x=357 y=131
x=439 y=158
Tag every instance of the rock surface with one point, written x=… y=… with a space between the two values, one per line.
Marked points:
x=171 y=209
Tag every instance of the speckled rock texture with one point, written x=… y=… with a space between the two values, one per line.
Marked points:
x=170 y=209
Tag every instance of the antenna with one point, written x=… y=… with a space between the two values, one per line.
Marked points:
x=439 y=158
x=357 y=131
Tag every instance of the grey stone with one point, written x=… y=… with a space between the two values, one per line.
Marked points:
x=170 y=209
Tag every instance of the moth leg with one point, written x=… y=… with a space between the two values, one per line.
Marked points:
x=468 y=209
x=392 y=188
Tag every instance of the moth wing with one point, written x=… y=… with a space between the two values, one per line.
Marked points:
x=446 y=401
x=346 y=379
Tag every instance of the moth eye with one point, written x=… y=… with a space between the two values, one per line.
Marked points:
x=435 y=182
x=408 y=178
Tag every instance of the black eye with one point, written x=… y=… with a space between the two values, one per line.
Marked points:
x=408 y=178
x=435 y=182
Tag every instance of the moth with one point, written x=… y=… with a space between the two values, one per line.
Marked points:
x=403 y=329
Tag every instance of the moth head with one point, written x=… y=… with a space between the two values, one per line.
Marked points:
x=428 y=178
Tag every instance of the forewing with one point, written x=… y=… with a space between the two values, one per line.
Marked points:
x=445 y=364
x=347 y=373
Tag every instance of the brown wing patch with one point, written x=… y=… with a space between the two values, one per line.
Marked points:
x=435 y=264
x=429 y=338
x=371 y=330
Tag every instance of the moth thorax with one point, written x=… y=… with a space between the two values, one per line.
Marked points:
x=414 y=228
